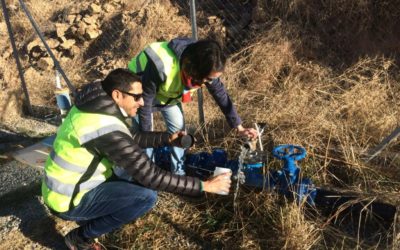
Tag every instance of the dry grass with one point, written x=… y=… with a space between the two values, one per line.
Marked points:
x=335 y=114
x=296 y=232
x=319 y=74
x=157 y=22
x=338 y=31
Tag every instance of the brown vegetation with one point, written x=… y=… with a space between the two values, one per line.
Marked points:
x=322 y=74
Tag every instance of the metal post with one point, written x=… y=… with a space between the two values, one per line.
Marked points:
x=40 y=34
x=193 y=18
x=378 y=149
x=200 y=99
x=15 y=53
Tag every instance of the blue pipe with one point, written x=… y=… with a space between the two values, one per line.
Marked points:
x=287 y=181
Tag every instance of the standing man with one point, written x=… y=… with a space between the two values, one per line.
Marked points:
x=171 y=72
x=79 y=183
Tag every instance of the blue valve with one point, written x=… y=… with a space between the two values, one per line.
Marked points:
x=286 y=152
x=289 y=154
x=288 y=179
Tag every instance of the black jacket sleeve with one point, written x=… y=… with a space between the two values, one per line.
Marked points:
x=121 y=149
x=150 y=139
x=220 y=95
x=150 y=82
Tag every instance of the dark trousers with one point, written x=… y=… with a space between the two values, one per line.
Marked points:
x=109 y=206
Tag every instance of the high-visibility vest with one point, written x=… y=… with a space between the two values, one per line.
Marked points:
x=167 y=64
x=71 y=170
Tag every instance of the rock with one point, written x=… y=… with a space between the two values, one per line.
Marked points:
x=35 y=43
x=35 y=53
x=71 y=18
x=108 y=8
x=45 y=63
x=92 y=32
x=7 y=53
x=212 y=19
x=61 y=28
x=82 y=28
x=142 y=13
x=62 y=39
x=57 y=54
x=67 y=44
x=73 y=29
x=78 y=18
x=53 y=43
x=35 y=49
x=75 y=50
x=94 y=8
x=90 y=19
x=74 y=10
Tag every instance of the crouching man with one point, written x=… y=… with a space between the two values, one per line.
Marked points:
x=79 y=183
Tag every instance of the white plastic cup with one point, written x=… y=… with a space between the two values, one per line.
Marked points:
x=219 y=171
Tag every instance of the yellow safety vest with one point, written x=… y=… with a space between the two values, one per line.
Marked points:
x=67 y=173
x=167 y=64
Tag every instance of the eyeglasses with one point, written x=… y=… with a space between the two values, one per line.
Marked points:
x=207 y=80
x=136 y=97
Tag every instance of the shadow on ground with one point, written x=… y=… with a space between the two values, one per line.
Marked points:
x=35 y=222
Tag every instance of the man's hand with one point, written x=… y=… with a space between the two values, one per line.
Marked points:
x=219 y=184
x=250 y=133
x=174 y=139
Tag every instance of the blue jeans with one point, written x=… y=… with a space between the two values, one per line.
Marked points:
x=174 y=121
x=109 y=206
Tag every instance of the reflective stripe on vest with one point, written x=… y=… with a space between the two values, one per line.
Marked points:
x=103 y=131
x=167 y=64
x=68 y=189
x=69 y=161
x=158 y=62
x=70 y=166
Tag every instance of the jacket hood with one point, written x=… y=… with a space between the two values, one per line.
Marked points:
x=93 y=99
x=178 y=45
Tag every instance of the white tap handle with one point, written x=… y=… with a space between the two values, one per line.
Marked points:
x=259 y=136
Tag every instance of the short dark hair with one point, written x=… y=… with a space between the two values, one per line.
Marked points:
x=119 y=79
x=200 y=58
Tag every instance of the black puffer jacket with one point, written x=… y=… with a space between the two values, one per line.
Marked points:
x=126 y=151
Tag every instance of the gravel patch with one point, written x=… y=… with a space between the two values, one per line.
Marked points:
x=8 y=223
x=25 y=222
x=28 y=127
x=14 y=175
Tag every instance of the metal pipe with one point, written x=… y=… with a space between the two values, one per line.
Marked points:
x=40 y=34
x=381 y=146
x=193 y=18
x=15 y=53
x=200 y=99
